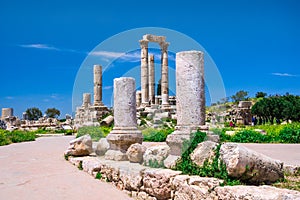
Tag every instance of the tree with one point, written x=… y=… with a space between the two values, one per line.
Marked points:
x=239 y=96
x=34 y=113
x=260 y=94
x=52 y=112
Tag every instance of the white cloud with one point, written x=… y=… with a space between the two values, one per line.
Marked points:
x=107 y=87
x=107 y=54
x=124 y=57
x=39 y=46
x=284 y=74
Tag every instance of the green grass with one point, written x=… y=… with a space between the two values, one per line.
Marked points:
x=156 y=135
x=96 y=132
x=285 y=133
x=16 y=136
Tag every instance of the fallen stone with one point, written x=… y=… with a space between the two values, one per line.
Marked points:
x=194 y=187
x=135 y=153
x=158 y=182
x=204 y=151
x=156 y=154
x=256 y=193
x=102 y=147
x=250 y=166
x=82 y=146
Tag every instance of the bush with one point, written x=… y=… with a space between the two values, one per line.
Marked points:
x=248 y=136
x=4 y=140
x=156 y=135
x=21 y=136
x=96 y=132
x=7 y=137
x=216 y=168
x=290 y=133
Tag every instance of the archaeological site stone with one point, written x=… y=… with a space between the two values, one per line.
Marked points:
x=249 y=165
x=88 y=114
x=147 y=71
x=81 y=146
x=204 y=151
x=190 y=106
x=102 y=147
x=98 y=85
x=135 y=153
x=156 y=154
x=125 y=132
x=151 y=79
x=256 y=193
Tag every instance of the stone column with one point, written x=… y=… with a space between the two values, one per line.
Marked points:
x=144 y=72
x=125 y=130
x=98 y=85
x=164 y=75
x=151 y=79
x=190 y=104
x=138 y=98
x=86 y=101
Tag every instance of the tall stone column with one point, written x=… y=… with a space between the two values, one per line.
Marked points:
x=86 y=101
x=144 y=73
x=190 y=100
x=98 y=85
x=125 y=130
x=138 y=98
x=164 y=75
x=151 y=79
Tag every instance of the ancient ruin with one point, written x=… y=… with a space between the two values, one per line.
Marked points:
x=147 y=71
x=190 y=99
x=89 y=114
x=125 y=132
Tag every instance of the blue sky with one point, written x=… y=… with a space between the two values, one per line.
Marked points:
x=255 y=44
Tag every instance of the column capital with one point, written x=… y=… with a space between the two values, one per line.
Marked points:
x=144 y=43
x=164 y=46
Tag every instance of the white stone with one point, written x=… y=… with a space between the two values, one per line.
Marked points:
x=156 y=154
x=102 y=147
x=135 y=153
x=204 y=151
x=81 y=146
x=249 y=165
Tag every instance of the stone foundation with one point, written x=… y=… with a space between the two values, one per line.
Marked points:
x=145 y=183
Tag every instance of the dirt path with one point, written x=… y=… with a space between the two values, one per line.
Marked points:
x=37 y=170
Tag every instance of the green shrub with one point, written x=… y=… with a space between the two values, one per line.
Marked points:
x=215 y=168
x=96 y=132
x=248 y=136
x=21 y=136
x=156 y=135
x=4 y=140
x=290 y=133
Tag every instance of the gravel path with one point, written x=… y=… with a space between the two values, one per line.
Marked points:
x=38 y=171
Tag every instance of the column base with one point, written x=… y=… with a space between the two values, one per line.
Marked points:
x=120 y=140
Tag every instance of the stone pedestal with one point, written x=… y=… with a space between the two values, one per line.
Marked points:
x=190 y=99
x=125 y=131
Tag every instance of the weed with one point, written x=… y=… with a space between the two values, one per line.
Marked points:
x=98 y=175
x=156 y=164
x=80 y=166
